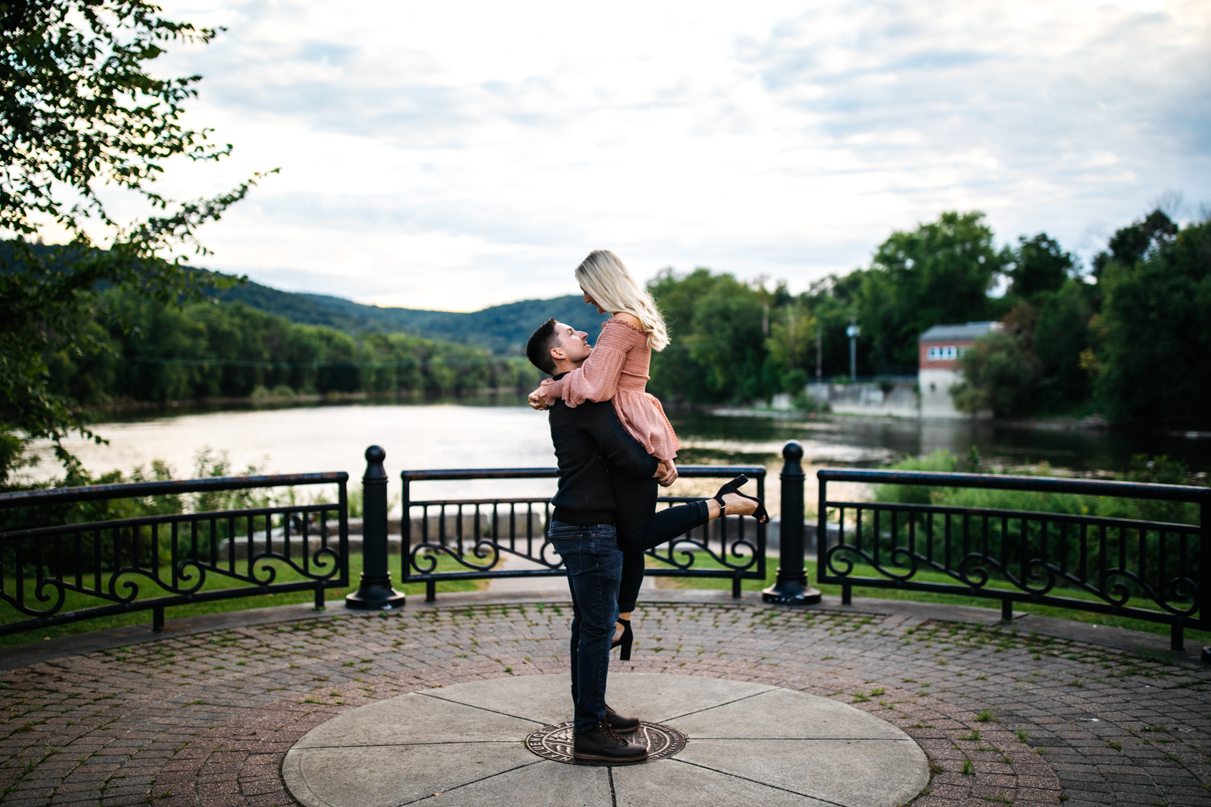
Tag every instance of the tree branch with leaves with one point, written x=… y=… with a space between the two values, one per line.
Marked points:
x=80 y=112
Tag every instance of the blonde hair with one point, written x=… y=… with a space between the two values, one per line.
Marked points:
x=603 y=277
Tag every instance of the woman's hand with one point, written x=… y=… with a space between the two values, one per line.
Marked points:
x=538 y=398
x=666 y=473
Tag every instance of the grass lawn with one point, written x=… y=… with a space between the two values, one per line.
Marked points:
x=77 y=601
x=1192 y=636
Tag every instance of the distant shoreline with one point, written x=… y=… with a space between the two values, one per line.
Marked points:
x=1090 y=423
x=127 y=406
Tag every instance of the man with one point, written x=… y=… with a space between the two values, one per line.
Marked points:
x=590 y=444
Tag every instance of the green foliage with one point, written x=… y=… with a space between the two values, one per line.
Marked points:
x=1134 y=242
x=1156 y=470
x=1156 y=333
x=791 y=345
x=999 y=372
x=501 y=329
x=212 y=350
x=940 y=461
x=939 y=273
x=1060 y=337
x=719 y=352
x=1014 y=540
x=82 y=111
x=127 y=544
x=807 y=404
x=1038 y=266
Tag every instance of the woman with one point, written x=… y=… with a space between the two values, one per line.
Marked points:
x=617 y=371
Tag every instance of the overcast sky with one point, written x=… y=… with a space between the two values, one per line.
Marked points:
x=459 y=155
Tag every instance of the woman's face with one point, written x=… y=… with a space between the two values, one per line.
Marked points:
x=590 y=301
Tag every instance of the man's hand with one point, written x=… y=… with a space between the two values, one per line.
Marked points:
x=666 y=473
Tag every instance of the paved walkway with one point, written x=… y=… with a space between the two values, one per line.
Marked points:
x=206 y=714
x=465 y=746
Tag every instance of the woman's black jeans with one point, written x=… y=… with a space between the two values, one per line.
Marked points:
x=641 y=528
x=594 y=564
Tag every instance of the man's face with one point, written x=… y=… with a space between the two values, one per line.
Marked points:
x=573 y=344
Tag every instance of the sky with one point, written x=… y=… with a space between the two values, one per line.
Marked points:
x=460 y=155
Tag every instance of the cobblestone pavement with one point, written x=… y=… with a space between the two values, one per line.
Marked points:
x=206 y=719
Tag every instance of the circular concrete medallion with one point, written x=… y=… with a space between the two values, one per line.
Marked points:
x=555 y=742
x=466 y=745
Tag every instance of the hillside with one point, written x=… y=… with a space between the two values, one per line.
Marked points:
x=501 y=329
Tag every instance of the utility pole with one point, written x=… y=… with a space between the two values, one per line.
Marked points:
x=819 y=352
x=852 y=332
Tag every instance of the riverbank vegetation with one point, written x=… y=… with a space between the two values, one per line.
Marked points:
x=1144 y=469
x=1124 y=338
x=150 y=351
x=89 y=127
x=132 y=347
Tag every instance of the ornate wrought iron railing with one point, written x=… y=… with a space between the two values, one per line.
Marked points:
x=1148 y=570
x=478 y=534
x=115 y=566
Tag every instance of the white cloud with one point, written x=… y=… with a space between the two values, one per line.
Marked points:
x=461 y=155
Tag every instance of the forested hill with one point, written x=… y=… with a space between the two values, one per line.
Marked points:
x=501 y=329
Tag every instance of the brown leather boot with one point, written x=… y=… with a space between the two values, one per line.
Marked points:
x=603 y=744
x=620 y=723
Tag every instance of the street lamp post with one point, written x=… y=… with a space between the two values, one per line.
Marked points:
x=852 y=332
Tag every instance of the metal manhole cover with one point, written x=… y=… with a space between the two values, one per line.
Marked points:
x=555 y=742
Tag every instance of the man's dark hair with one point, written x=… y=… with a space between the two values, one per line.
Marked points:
x=538 y=348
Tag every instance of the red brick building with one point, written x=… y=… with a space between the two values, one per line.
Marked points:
x=938 y=353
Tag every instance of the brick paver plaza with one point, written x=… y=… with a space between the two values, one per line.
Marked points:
x=207 y=717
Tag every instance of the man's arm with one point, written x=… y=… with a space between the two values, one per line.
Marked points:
x=622 y=450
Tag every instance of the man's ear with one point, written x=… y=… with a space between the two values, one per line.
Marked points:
x=558 y=354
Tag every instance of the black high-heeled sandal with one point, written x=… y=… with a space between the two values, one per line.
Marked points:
x=734 y=487
x=624 y=641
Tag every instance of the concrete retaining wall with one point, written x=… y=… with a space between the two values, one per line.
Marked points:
x=869 y=398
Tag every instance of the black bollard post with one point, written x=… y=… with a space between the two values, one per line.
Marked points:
x=790 y=586
x=374 y=593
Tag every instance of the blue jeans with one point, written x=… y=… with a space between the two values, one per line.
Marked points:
x=594 y=563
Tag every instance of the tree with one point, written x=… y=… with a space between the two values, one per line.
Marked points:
x=1061 y=336
x=79 y=112
x=1136 y=241
x=675 y=372
x=938 y=273
x=1156 y=331
x=718 y=350
x=1038 y=265
x=999 y=372
x=792 y=345
x=832 y=301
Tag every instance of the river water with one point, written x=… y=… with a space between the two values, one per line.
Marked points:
x=501 y=432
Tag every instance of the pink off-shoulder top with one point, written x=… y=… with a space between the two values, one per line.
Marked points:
x=617 y=371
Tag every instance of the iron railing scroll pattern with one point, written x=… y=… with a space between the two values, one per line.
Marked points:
x=153 y=562
x=1148 y=570
x=476 y=535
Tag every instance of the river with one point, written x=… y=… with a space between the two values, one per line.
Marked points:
x=500 y=431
